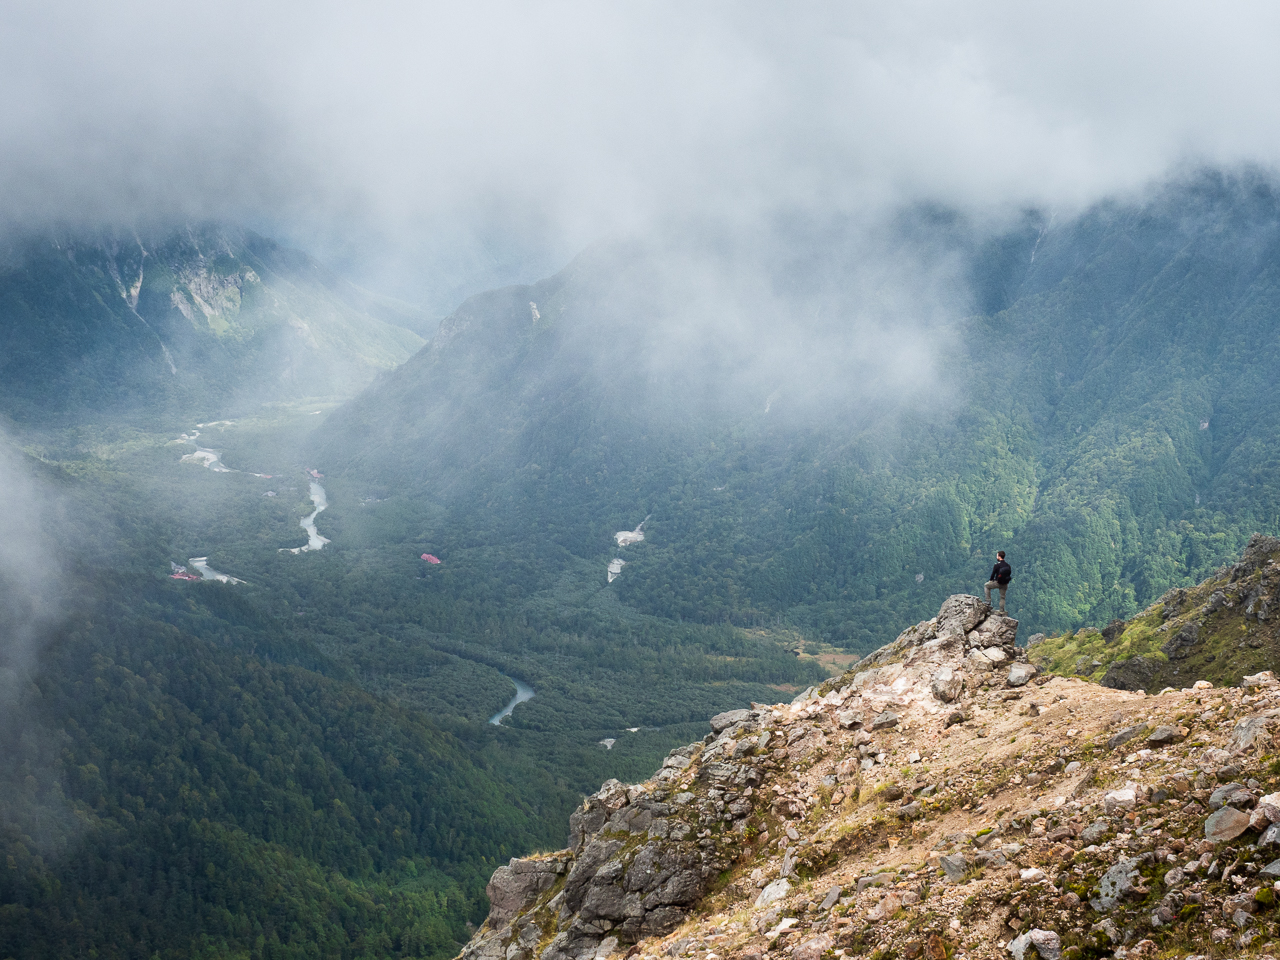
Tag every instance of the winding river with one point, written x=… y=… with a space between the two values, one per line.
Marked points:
x=523 y=693
x=308 y=523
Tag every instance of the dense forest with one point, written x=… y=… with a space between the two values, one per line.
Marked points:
x=301 y=763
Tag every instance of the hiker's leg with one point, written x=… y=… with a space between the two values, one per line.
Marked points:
x=1004 y=588
x=988 y=587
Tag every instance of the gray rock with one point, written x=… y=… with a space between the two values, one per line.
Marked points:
x=947 y=684
x=814 y=948
x=1127 y=734
x=885 y=720
x=1096 y=832
x=1271 y=871
x=848 y=719
x=516 y=886
x=1121 y=881
x=1181 y=644
x=1270 y=837
x=953 y=717
x=875 y=880
x=1047 y=944
x=774 y=892
x=1246 y=732
x=954 y=866
x=1218 y=799
x=1135 y=673
x=1034 y=639
x=995 y=655
x=1020 y=673
x=1225 y=824
x=1164 y=735
x=723 y=721
x=960 y=613
x=830 y=899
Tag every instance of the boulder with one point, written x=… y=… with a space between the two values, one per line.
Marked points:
x=995 y=655
x=814 y=948
x=1127 y=734
x=1121 y=881
x=960 y=613
x=774 y=892
x=1021 y=673
x=1225 y=824
x=1047 y=944
x=885 y=720
x=1166 y=734
x=723 y=721
x=947 y=684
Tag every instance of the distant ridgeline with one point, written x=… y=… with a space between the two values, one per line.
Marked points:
x=197 y=318
x=1108 y=414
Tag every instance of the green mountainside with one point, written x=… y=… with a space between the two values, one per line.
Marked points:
x=202 y=319
x=1221 y=630
x=1111 y=422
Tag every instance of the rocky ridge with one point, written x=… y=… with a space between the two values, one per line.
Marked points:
x=1219 y=630
x=941 y=801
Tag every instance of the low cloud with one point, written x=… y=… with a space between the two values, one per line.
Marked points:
x=431 y=148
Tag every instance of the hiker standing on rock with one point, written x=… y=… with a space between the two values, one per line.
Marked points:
x=1001 y=574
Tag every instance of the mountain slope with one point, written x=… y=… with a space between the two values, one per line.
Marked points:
x=927 y=803
x=129 y=323
x=1220 y=630
x=1113 y=425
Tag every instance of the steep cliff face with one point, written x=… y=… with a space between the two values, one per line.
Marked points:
x=135 y=321
x=943 y=800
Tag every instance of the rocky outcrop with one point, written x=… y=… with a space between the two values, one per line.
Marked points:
x=639 y=856
x=928 y=805
x=1136 y=673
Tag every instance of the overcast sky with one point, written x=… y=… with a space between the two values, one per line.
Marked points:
x=502 y=137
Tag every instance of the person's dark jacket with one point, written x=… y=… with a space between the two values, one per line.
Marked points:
x=1001 y=573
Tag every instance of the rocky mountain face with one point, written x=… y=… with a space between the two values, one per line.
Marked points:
x=1221 y=630
x=945 y=799
x=130 y=321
